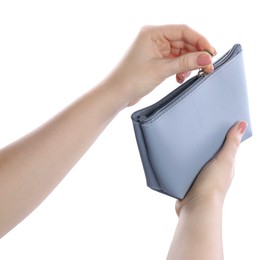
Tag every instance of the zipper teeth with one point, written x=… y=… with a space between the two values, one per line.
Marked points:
x=144 y=118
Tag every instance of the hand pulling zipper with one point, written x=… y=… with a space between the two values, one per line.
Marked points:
x=218 y=63
x=158 y=107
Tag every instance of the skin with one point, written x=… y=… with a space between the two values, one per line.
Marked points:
x=198 y=233
x=31 y=167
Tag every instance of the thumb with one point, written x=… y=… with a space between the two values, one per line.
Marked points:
x=232 y=142
x=188 y=62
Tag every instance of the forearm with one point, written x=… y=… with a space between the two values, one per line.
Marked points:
x=31 y=167
x=198 y=234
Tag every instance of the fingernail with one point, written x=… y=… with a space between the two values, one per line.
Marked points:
x=242 y=127
x=214 y=51
x=204 y=59
x=178 y=79
x=209 y=68
x=185 y=74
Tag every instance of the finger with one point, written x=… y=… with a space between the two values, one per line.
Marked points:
x=232 y=142
x=187 y=62
x=208 y=69
x=188 y=36
x=180 y=77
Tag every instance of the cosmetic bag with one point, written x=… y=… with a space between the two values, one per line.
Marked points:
x=180 y=133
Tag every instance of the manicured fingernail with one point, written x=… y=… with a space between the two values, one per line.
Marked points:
x=185 y=74
x=178 y=79
x=242 y=127
x=204 y=59
x=214 y=51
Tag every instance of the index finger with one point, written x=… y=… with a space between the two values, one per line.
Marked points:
x=183 y=34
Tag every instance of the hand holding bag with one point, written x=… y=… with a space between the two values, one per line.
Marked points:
x=179 y=134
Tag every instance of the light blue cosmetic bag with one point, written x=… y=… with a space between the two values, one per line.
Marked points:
x=179 y=134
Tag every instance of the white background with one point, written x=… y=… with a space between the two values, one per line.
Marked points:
x=53 y=51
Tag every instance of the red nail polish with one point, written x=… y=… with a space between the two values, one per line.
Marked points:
x=178 y=79
x=242 y=127
x=214 y=52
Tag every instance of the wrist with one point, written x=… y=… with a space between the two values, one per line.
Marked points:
x=200 y=203
x=117 y=91
x=121 y=87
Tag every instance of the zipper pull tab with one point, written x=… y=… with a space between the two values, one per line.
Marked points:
x=201 y=73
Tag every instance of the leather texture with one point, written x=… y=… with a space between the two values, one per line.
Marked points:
x=179 y=134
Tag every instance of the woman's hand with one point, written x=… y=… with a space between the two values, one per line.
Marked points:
x=198 y=234
x=157 y=53
x=215 y=178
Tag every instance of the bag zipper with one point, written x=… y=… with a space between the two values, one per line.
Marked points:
x=149 y=112
x=222 y=60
